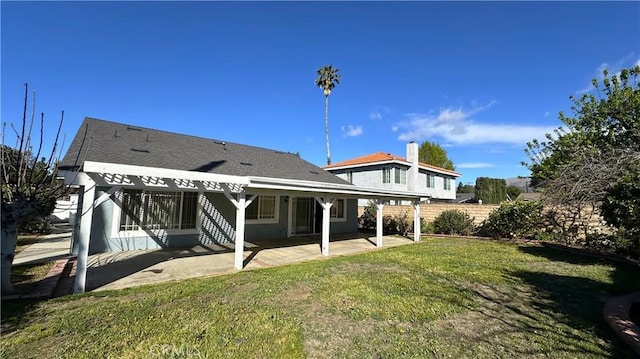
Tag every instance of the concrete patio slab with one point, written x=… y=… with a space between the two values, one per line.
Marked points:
x=118 y=270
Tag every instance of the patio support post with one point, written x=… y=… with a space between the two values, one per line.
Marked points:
x=416 y=221
x=241 y=204
x=379 y=224
x=239 y=244
x=326 y=204
x=84 y=234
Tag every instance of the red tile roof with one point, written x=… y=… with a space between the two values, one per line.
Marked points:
x=382 y=157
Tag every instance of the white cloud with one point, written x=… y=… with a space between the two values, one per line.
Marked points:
x=351 y=131
x=474 y=165
x=456 y=126
x=375 y=115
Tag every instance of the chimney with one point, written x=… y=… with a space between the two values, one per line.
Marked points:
x=412 y=172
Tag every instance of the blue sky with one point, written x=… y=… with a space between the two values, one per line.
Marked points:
x=479 y=78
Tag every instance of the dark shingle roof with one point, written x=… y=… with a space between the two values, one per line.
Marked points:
x=119 y=143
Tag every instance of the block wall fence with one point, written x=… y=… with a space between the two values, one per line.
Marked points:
x=429 y=211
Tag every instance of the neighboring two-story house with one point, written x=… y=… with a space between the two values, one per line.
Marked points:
x=387 y=171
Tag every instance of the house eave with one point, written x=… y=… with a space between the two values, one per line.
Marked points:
x=394 y=161
x=264 y=183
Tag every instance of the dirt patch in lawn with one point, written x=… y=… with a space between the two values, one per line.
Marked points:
x=327 y=334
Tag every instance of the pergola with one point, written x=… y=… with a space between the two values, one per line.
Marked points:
x=235 y=188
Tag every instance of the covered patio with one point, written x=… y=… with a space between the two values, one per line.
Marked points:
x=240 y=191
x=118 y=270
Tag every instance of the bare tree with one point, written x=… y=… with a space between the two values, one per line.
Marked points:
x=29 y=183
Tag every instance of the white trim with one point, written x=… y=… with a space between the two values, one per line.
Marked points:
x=132 y=170
x=316 y=189
x=386 y=162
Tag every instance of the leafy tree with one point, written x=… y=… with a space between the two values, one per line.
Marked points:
x=465 y=188
x=491 y=190
x=593 y=155
x=621 y=208
x=327 y=79
x=433 y=154
x=513 y=192
x=29 y=186
x=517 y=219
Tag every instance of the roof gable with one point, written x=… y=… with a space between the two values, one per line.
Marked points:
x=120 y=143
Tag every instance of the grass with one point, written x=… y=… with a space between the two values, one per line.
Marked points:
x=26 y=277
x=438 y=298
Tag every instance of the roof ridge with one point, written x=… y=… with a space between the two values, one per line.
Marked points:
x=185 y=134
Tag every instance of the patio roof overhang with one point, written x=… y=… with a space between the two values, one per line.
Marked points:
x=112 y=174
x=264 y=184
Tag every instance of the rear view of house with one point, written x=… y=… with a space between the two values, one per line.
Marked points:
x=143 y=188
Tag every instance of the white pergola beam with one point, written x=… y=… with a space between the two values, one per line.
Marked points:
x=139 y=171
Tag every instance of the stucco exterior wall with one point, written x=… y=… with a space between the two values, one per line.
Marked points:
x=216 y=225
x=371 y=177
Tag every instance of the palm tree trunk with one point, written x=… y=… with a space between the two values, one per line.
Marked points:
x=326 y=126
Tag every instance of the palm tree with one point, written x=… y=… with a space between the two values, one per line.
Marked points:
x=327 y=79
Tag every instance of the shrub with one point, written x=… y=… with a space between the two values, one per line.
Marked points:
x=621 y=210
x=453 y=221
x=426 y=227
x=368 y=218
x=402 y=223
x=389 y=224
x=519 y=219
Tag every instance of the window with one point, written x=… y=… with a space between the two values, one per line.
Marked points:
x=158 y=210
x=386 y=175
x=401 y=176
x=447 y=183
x=350 y=176
x=338 y=209
x=431 y=181
x=263 y=208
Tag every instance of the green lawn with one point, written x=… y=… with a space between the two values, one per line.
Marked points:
x=440 y=298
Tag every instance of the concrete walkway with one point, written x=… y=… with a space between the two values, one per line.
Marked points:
x=616 y=313
x=119 y=270
x=48 y=248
